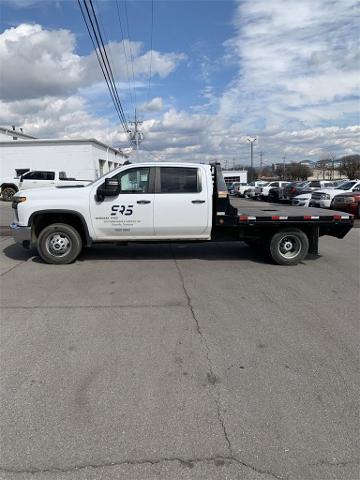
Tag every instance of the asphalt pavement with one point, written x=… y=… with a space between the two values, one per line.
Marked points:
x=198 y=361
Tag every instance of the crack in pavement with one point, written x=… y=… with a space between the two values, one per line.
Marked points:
x=71 y=307
x=335 y=463
x=218 y=460
x=12 y=268
x=212 y=378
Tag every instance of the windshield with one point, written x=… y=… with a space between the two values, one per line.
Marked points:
x=345 y=186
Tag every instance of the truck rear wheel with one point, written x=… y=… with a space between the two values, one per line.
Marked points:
x=59 y=244
x=8 y=193
x=289 y=246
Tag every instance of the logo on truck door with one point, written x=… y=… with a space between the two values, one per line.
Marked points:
x=122 y=209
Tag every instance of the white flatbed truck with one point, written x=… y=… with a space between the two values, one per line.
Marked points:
x=164 y=202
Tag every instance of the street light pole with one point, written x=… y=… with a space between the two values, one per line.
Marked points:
x=251 y=140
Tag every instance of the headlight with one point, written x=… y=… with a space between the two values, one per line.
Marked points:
x=327 y=196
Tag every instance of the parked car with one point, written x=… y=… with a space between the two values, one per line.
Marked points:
x=250 y=190
x=262 y=191
x=304 y=199
x=323 y=198
x=37 y=179
x=348 y=202
x=294 y=188
x=240 y=189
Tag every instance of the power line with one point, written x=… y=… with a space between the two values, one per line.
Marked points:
x=125 y=54
x=130 y=49
x=151 y=46
x=94 y=32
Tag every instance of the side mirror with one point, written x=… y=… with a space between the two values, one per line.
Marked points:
x=111 y=188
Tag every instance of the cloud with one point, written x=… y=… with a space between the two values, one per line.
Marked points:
x=291 y=54
x=42 y=62
x=294 y=87
x=154 y=105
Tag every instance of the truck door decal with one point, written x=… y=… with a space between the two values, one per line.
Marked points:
x=122 y=209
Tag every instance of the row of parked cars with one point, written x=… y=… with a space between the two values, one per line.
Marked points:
x=343 y=195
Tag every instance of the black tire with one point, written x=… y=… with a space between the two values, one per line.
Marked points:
x=246 y=194
x=59 y=244
x=289 y=246
x=7 y=193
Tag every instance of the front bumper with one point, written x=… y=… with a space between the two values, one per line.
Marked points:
x=21 y=234
x=320 y=203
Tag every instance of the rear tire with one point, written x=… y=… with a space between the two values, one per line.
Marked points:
x=59 y=244
x=289 y=246
x=7 y=193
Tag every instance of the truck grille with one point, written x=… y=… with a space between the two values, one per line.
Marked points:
x=318 y=196
x=339 y=199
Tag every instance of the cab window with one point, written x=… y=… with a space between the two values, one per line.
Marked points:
x=179 y=180
x=135 y=180
x=40 y=175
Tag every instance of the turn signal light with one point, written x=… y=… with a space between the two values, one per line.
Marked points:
x=19 y=199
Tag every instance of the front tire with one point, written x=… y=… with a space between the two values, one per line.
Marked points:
x=289 y=246
x=59 y=244
x=7 y=193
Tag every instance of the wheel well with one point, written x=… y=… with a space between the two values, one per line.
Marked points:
x=5 y=185
x=42 y=220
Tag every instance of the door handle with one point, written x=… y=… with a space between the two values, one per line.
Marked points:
x=143 y=202
x=198 y=201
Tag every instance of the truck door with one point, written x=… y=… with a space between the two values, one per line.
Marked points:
x=182 y=207
x=130 y=214
x=37 y=179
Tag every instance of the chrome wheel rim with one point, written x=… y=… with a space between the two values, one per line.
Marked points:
x=58 y=244
x=289 y=246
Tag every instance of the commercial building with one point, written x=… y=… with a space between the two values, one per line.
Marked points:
x=85 y=159
x=231 y=176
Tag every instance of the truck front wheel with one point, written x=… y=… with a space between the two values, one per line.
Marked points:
x=289 y=246
x=7 y=193
x=59 y=244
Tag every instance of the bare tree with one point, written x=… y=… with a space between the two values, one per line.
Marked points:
x=350 y=166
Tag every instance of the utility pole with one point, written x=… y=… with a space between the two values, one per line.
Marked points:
x=251 y=140
x=284 y=167
x=136 y=137
x=261 y=163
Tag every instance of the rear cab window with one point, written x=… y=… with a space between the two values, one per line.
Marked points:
x=179 y=180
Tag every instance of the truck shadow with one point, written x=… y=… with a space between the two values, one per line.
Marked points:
x=229 y=251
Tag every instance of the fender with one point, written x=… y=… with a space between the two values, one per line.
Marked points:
x=89 y=240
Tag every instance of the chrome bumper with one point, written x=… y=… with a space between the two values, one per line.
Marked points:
x=21 y=234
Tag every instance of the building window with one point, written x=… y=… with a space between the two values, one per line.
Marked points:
x=101 y=167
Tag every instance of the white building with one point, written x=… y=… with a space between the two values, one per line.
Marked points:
x=231 y=176
x=82 y=159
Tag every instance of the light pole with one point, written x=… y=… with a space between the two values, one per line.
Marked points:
x=251 y=140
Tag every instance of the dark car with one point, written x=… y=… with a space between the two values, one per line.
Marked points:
x=294 y=189
x=276 y=194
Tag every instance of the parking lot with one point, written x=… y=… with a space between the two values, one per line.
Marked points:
x=198 y=361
